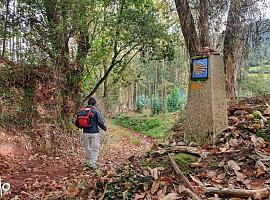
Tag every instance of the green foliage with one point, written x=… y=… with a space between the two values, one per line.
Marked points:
x=259 y=53
x=121 y=34
x=154 y=127
x=213 y=163
x=256 y=83
x=264 y=135
x=264 y=132
x=125 y=133
x=141 y=103
x=175 y=101
x=157 y=106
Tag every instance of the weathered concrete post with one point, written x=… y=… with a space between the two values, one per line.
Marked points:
x=206 y=111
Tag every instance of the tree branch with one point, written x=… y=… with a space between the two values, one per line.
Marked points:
x=126 y=64
x=181 y=176
x=242 y=193
x=112 y=65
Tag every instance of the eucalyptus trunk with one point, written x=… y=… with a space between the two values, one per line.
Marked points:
x=231 y=42
x=5 y=29
x=188 y=26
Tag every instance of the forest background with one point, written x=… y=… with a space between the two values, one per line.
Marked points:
x=131 y=54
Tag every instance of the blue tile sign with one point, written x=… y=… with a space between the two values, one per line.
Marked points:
x=199 y=68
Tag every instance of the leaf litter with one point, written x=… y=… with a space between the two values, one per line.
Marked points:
x=64 y=176
x=237 y=167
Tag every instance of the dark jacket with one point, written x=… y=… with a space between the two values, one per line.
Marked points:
x=96 y=122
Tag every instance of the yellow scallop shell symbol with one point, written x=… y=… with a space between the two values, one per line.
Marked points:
x=199 y=68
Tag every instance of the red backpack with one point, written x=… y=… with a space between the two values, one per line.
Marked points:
x=84 y=117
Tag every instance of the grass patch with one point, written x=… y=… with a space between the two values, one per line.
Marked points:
x=125 y=133
x=259 y=68
x=154 y=127
x=256 y=84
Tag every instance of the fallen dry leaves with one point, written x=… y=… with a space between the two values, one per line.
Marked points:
x=237 y=165
x=62 y=176
x=236 y=168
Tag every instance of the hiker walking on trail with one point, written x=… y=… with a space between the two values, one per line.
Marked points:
x=90 y=120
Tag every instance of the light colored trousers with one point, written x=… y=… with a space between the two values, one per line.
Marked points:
x=91 y=145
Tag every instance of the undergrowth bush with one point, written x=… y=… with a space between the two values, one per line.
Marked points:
x=141 y=103
x=176 y=101
x=157 y=106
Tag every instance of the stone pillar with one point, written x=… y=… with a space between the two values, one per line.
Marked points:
x=206 y=111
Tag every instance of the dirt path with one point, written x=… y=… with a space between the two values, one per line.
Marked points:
x=43 y=177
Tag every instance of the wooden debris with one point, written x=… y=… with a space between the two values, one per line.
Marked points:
x=241 y=193
x=182 y=177
x=191 y=194
x=229 y=151
x=104 y=192
x=179 y=149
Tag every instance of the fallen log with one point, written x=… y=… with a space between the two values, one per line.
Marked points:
x=241 y=193
x=182 y=177
x=179 y=149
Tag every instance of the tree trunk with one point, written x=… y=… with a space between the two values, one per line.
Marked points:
x=83 y=45
x=5 y=29
x=188 y=26
x=204 y=23
x=233 y=28
x=18 y=47
x=229 y=67
x=159 y=80
x=13 y=52
x=163 y=84
x=105 y=85
x=135 y=91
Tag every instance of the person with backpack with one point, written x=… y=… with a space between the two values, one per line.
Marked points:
x=90 y=120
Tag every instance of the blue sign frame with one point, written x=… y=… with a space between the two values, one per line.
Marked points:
x=199 y=68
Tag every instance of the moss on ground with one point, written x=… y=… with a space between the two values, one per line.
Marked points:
x=184 y=160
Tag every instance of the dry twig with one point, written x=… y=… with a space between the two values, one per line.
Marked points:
x=182 y=177
x=103 y=195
